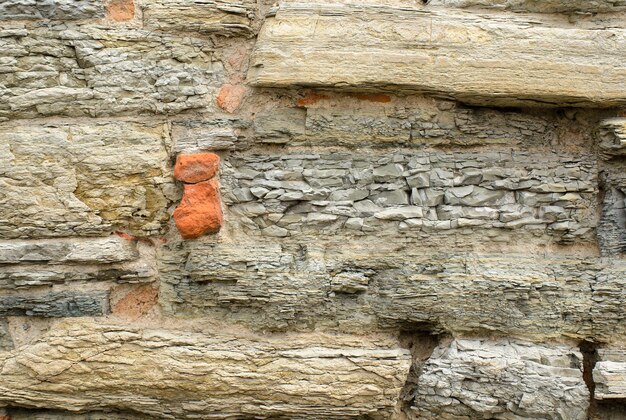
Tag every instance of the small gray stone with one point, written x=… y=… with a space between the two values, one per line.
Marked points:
x=275 y=231
x=400 y=213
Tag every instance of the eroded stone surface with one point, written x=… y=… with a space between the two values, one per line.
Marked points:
x=484 y=378
x=361 y=285
x=331 y=45
x=51 y=9
x=84 y=365
x=90 y=71
x=84 y=179
x=412 y=193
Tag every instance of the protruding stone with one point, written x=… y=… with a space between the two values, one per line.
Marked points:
x=200 y=210
x=197 y=167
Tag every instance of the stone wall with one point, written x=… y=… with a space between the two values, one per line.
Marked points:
x=364 y=209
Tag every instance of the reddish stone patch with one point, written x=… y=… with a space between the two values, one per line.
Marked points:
x=372 y=97
x=200 y=210
x=136 y=303
x=125 y=236
x=120 y=10
x=196 y=168
x=230 y=96
x=311 y=98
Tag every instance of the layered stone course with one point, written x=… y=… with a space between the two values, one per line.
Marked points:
x=320 y=210
x=289 y=194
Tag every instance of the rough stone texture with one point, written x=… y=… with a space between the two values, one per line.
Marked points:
x=82 y=364
x=486 y=379
x=612 y=137
x=402 y=226
x=6 y=343
x=192 y=136
x=91 y=71
x=299 y=285
x=290 y=194
x=227 y=18
x=84 y=179
x=540 y=6
x=331 y=45
x=609 y=374
x=55 y=304
x=51 y=9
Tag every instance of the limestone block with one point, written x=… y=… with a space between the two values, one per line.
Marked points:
x=513 y=379
x=171 y=373
x=51 y=9
x=84 y=179
x=540 y=6
x=228 y=18
x=356 y=123
x=98 y=250
x=55 y=304
x=441 y=51
x=293 y=194
x=367 y=284
x=193 y=136
x=90 y=71
x=609 y=374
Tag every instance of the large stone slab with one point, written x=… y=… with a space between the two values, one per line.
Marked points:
x=89 y=71
x=502 y=378
x=441 y=51
x=369 y=284
x=84 y=179
x=84 y=365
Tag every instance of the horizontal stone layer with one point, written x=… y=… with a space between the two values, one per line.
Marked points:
x=540 y=6
x=51 y=9
x=110 y=249
x=192 y=136
x=512 y=379
x=55 y=304
x=227 y=18
x=84 y=179
x=92 y=71
x=609 y=374
x=83 y=365
x=446 y=52
x=370 y=284
x=364 y=122
x=412 y=193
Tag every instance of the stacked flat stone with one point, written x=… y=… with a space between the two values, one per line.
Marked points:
x=312 y=210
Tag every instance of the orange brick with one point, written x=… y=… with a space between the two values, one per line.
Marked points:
x=200 y=210
x=197 y=167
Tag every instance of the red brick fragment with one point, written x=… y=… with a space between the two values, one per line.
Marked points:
x=197 y=167
x=230 y=96
x=120 y=10
x=200 y=210
x=372 y=97
x=137 y=303
x=311 y=98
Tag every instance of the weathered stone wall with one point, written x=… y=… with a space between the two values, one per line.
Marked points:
x=364 y=209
